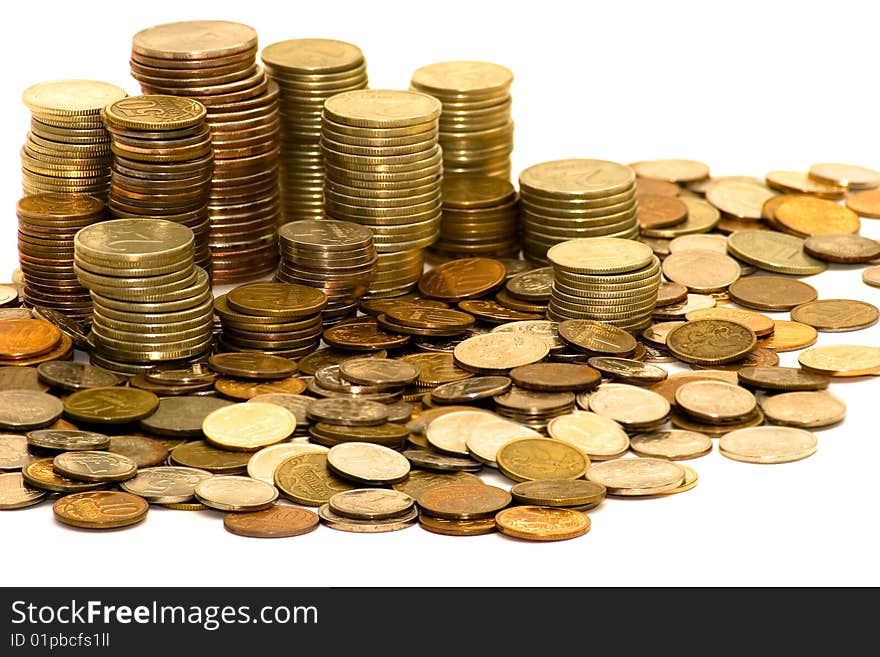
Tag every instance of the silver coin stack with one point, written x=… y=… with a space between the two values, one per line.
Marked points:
x=337 y=257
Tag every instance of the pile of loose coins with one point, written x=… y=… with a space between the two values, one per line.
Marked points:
x=512 y=386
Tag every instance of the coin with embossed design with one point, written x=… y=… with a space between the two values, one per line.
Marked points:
x=496 y=353
x=114 y=405
x=675 y=444
x=14 y=452
x=463 y=501
x=41 y=474
x=715 y=402
x=103 y=509
x=262 y=464
x=559 y=492
x=199 y=454
x=21 y=410
x=15 y=493
x=252 y=365
x=599 y=437
x=627 y=370
x=71 y=376
x=539 y=523
x=379 y=371
x=634 y=477
x=248 y=427
x=371 y=503
x=781 y=378
x=807 y=410
x=711 y=341
x=530 y=459
x=421 y=480
x=94 y=466
x=306 y=479
x=632 y=407
x=165 y=484
x=233 y=493
x=846 y=249
x=841 y=360
x=836 y=315
x=368 y=463
x=25 y=338
x=463 y=278
x=470 y=390
x=67 y=440
x=278 y=521
x=768 y=444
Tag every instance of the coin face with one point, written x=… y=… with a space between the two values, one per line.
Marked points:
x=368 y=463
x=252 y=365
x=15 y=492
x=305 y=479
x=600 y=255
x=199 y=454
x=715 y=401
x=370 y=503
x=278 y=521
x=768 y=444
x=559 y=492
x=577 y=178
x=781 y=378
x=470 y=390
x=262 y=464
x=531 y=459
x=26 y=338
x=496 y=353
x=430 y=460
x=382 y=108
x=711 y=341
x=538 y=523
x=846 y=249
x=248 y=427
x=463 y=501
x=599 y=437
x=67 y=440
x=233 y=493
x=660 y=211
x=113 y=405
x=741 y=199
x=701 y=271
x=14 y=453
x=836 y=315
x=462 y=279
x=348 y=412
x=634 y=477
x=632 y=407
x=376 y=371
x=627 y=370
x=596 y=337
x=808 y=215
x=94 y=466
x=841 y=360
x=194 y=40
x=166 y=484
x=776 y=252
x=71 y=376
x=771 y=292
x=446 y=527
x=675 y=444
x=277 y=300
x=21 y=410
x=102 y=509
x=807 y=410
x=154 y=113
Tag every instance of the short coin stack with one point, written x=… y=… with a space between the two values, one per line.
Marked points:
x=46 y=226
x=308 y=72
x=67 y=149
x=151 y=303
x=567 y=199
x=476 y=131
x=282 y=319
x=607 y=279
x=383 y=170
x=336 y=257
x=162 y=163
x=480 y=217
x=214 y=62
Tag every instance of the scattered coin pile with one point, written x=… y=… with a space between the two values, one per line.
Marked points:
x=567 y=199
x=162 y=163
x=393 y=190
x=476 y=129
x=308 y=72
x=67 y=149
x=214 y=62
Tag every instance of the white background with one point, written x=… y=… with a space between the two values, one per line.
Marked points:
x=746 y=87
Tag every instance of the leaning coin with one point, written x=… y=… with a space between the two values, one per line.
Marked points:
x=371 y=503
x=233 y=493
x=463 y=501
x=104 y=509
x=247 y=427
x=422 y=458
x=781 y=378
x=675 y=444
x=67 y=440
x=368 y=463
x=15 y=493
x=336 y=521
x=538 y=523
x=841 y=360
x=94 y=466
x=470 y=390
x=807 y=410
x=201 y=455
x=278 y=521
x=165 y=484
x=530 y=459
x=262 y=464
x=768 y=444
x=376 y=371
x=559 y=492
x=71 y=376
x=21 y=410
x=627 y=370
x=637 y=476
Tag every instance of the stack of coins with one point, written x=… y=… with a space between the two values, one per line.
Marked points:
x=67 y=149
x=476 y=131
x=607 y=279
x=337 y=257
x=532 y=408
x=46 y=226
x=214 y=62
x=566 y=199
x=308 y=72
x=282 y=319
x=162 y=163
x=480 y=216
x=383 y=170
x=151 y=303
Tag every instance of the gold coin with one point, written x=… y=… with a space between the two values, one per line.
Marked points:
x=531 y=459
x=194 y=40
x=305 y=479
x=463 y=78
x=559 y=492
x=760 y=324
x=845 y=175
x=248 y=427
x=600 y=438
x=600 y=255
x=382 y=108
x=499 y=352
x=800 y=183
x=842 y=360
x=576 y=179
x=743 y=200
x=633 y=477
x=71 y=98
x=807 y=409
x=768 y=444
x=672 y=170
x=539 y=523
x=155 y=113
x=234 y=493
x=690 y=481
x=807 y=215
x=674 y=444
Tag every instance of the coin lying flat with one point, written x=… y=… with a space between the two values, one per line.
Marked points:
x=199 y=454
x=348 y=412
x=437 y=461
x=94 y=466
x=262 y=464
x=701 y=271
x=760 y=324
x=421 y=480
x=841 y=360
x=789 y=336
x=145 y=452
x=368 y=463
x=370 y=503
x=463 y=501
x=278 y=521
x=675 y=445
x=181 y=416
x=22 y=410
x=496 y=353
x=637 y=476
x=103 y=509
x=781 y=378
x=378 y=371
x=845 y=175
x=538 y=523
x=67 y=440
x=358 y=526
x=846 y=249
x=451 y=432
x=771 y=292
x=836 y=315
x=15 y=493
x=14 y=377
x=114 y=405
x=627 y=370
x=470 y=390
x=600 y=438
x=555 y=377
x=690 y=481
x=248 y=427
x=807 y=410
x=41 y=474
x=632 y=407
x=305 y=479
x=70 y=376
x=165 y=484
x=559 y=492
x=445 y=527
x=531 y=459
x=768 y=444
x=711 y=341
x=252 y=365
x=232 y=493
x=715 y=401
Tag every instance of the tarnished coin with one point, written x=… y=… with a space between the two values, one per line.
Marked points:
x=600 y=438
x=496 y=353
x=103 y=509
x=463 y=501
x=16 y=494
x=348 y=412
x=423 y=458
x=357 y=526
x=14 y=453
x=464 y=278
x=627 y=370
x=199 y=454
x=367 y=463
x=701 y=271
x=280 y=301
x=446 y=527
x=262 y=464
x=371 y=503
x=761 y=325
x=559 y=492
x=715 y=401
x=252 y=365
x=305 y=479
x=776 y=252
x=595 y=337
x=633 y=477
x=22 y=410
x=421 y=480
x=781 y=378
x=807 y=410
x=836 y=315
x=94 y=466
x=634 y=408
x=675 y=445
x=532 y=285
x=771 y=292
x=789 y=336
x=145 y=452
x=248 y=427
x=841 y=360
x=846 y=249
x=181 y=416
x=470 y=390
x=539 y=523
x=363 y=336
x=67 y=375
x=768 y=444
x=15 y=377
x=379 y=371
x=166 y=484
x=531 y=459
x=711 y=341
x=232 y=493
x=113 y=405
x=278 y=521
x=68 y=440
x=555 y=377
x=296 y=404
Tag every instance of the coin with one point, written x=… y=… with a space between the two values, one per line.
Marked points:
x=599 y=437
x=375 y=371
x=348 y=412
x=446 y=527
x=771 y=293
x=775 y=252
x=637 y=476
x=845 y=175
x=370 y=503
x=632 y=407
x=76 y=376
x=531 y=459
x=248 y=427
x=429 y=460
x=807 y=215
x=781 y=378
x=660 y=211
x=768 y=444
x=672 y=170
x=559 y=493
x=871 y=276
x=841 y=360
x=26 y=338
x=278 y=521
x=362 y=336
x=846 y=249
x=421 y=480
x=674 y=445
x=596 y=337
x=626 y=370
x=68 y=440
x=865 y=204
x=711 y=341
x=181 y=416
x=496 y=353
x=669 y=293
x=367 y=463
x=22 y=410
x=836 y=315
x=555 y=377
x=701 y=271
x=232 y=493
x=462 y=501
x=678 y=311
x=94 y=466
x=803 y=409
x=165 y=484
x=244 y=390
x=252 y=365
x=715 y=401
x=538 y=523
x=262 y=464
x=470 y=390
x=101 y=509
x=40 y=474
x=305 y=479
x=798 y=182
x=15 y=492
x=200 y=455
x=14 y=453
x=281 y=301
x=342 y=523
x=741 y=199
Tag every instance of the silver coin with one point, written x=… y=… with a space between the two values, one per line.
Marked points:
x=165 y=484
x=94 y=466
x=234 y=493
x=16 y=494
x=67 y=440
x=348 y=412
x=370 y=503
x=422 y=458
x=335 y=521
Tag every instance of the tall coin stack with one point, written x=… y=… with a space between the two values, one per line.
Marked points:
x=46 y=226
x=67 y=149
x=152 y=305
x=214 y=62
x=568 y=199
x=476 y=130
x=162 y=163
x=383 y=170
x=606 y=279
x=308 y=72
x=336 y=257
x=480 y=217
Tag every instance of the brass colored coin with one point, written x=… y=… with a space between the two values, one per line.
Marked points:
x=70 y=98
x=628 y=370
x=544 y=329
x=702 y=217
x=233 y=493
x=202 y=456
x=252 y=365
x=599 y=437
x=711 y=341
x=836 y=315
x=743 y=200
x=101 y=509
x=715 y=402
x=463 y=501
x=660 y=211
x=329 y=356
x=305 y=479
x=699 y=242
x=120 y=242
x=678 y=311
x=336 y=521
x=667 y=388
x=362 y=336
x=865 y=204
x=760 y=324
x=94 y=466
x=446 y=527
x=284 y=301
x=181 y=416
x=595 y=337
x=701 y=271
x=672 y=170
x=278 y=521
x=72 y=376
x=871 y=276
x=772 y=293
x=185 y=506
x=465 y=278
x=800 y=183
x=690 y=481
x=145 y=452
x=555 y=377
x=531 y=459
x=759 y=357
x=370 y=503
x=806 y=410
x=491 y=311
x=776 y=252
x=781 y=378
x=559 y=493
x=846 y=249
x=496 y=353
x=421 y=480
x=635 y=477
x=670 y=293
x=154 y=113
x=248 y=427
x=382 y=108
x=675 y=445
x=600 y=255
x=40 y=474
x=26 y=338
x=632 y=407
x=16 y=494
x=538 y=523
x=22 y=410
x=505 y=299
x=807 y=215
x=367 y=463
x=655 y=335
x=113 y=405
x=841 y=360
x=845 y=175
x=768 y=444
x=576 y=179
x=243 y=390
x=14 y=453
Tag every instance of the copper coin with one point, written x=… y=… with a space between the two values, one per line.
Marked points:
x=27 y=338
x=279 y=521
x=363 y=336
x=252 y=365
x=865 y=204
x=244 y=390
x=463 y=501
x=596 y=337
x=711 y=341
x=660 y=211
x=772 y=293
x=555 y=377
x=846 y=249
x=465 y=278
x=836 y=315
x=628 y=370
x=101 y=509
x=540 y=523
x=328 y=356
x=781 y=378
x=807 y=215
x=495 y=313
x=430 y=318
x=789 y=336
x=669 y=293
x=655 y=187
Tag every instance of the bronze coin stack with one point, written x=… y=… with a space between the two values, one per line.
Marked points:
x=480 y=217
x=476 y=130
x=152 y=304
x=162 y=163
x=67 y=150
x=214 y=62
x=308 y=72
x=568 y=199
x=46 y=226
x=336 y=257
x=383 y=170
